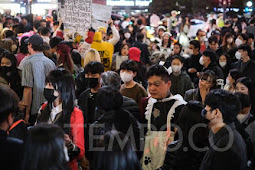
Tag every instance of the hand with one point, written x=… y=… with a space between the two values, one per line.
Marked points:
x=67 y=139
x=22 y=105
x=192 y=70
x=110 y=22
x=198 y=74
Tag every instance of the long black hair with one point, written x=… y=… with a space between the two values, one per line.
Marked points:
x=45 y=148
x=115 y=156
x=63 y=82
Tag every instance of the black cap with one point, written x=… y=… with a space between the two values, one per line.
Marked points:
x=34 y=40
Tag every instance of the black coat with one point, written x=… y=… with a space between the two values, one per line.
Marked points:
x=121 y=120
x=144 y=51
x=234 y=158
x=81 y=84
x=184 y=158
x=248 y=71
x=11 y=152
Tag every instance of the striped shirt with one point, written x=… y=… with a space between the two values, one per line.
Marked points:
x=34 y=73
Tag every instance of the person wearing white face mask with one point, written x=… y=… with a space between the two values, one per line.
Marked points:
x=131 y=89
x=224 y=63
x=246 y=66
x=181 y=81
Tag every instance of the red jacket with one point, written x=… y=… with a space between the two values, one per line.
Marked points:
x=77 y=134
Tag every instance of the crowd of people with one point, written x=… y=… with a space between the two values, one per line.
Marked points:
x=144 y=95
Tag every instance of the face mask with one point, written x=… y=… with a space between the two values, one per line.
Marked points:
x=176 y=69
x=238 y=42
x=49 y=95
x=127 y=35
x=202 y=39
x=230 y=40
x=238 y=55
x=126 y=77
x=204 y=119
x=201 y=60
x=92 y=82
x=227 y=81
x=223 y=64
x=5 y=69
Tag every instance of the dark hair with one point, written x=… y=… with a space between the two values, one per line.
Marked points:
x=245 y=47
x=178 y=57
x=65 y=57
x=226 y=102
x=94 y=67
x=118 y=158
x=250 y=35
x=211 y=54
x=198 y=31
x=14 y=70
x=244 y=36
x=9 y=102
x=111 y=78
x=249 y=84
x=235 y=74
x=76 y=56
x=55 y=41
x=38 y=47
x=139 y=36
x=9 y=33
x=63 y=82
x=44 y=148
x=139 y=22
x=252 y=21
x=213 y=39
x=45 y=31
x=189 y=116
x=15 y=20
x=244 y=100
x=195 y=43
x=43 y=20
x=158 y=70
x=129 y=65
x=209 y=74
x=109 y=98
x=23 y=45
x=5 y=24
x=180 y=46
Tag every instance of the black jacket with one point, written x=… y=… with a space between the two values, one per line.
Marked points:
x=121 y=120
x=81 y=84
x=248 y=71
x=184 y=158
x=11 y=152
x=234 y=157
x=144 y=51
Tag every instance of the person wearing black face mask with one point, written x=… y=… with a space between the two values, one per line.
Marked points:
x=9 y=73
x=87 y=100
x=60 y=110
x=227 y=148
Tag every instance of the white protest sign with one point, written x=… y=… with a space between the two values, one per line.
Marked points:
x=76 y=14
x=100 y=15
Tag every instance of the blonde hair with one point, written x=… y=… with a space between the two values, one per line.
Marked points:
x=91 y=55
